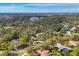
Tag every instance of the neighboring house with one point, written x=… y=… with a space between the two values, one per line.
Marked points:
x=77 y=25
x=42 y=52
x=3 y=40
x=73 y=43
x=62 y=47
x=16 y=43
x=72 y=29
x=68 y=33
x=65 y=25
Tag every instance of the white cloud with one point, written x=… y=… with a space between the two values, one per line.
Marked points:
x=19 y=10
x=7 y=8
x=72 y=9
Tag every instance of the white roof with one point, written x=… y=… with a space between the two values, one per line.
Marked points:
x=60 y=46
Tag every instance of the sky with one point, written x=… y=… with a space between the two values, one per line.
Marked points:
x=39 y=8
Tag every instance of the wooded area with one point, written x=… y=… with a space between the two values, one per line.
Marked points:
x=56 y=35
